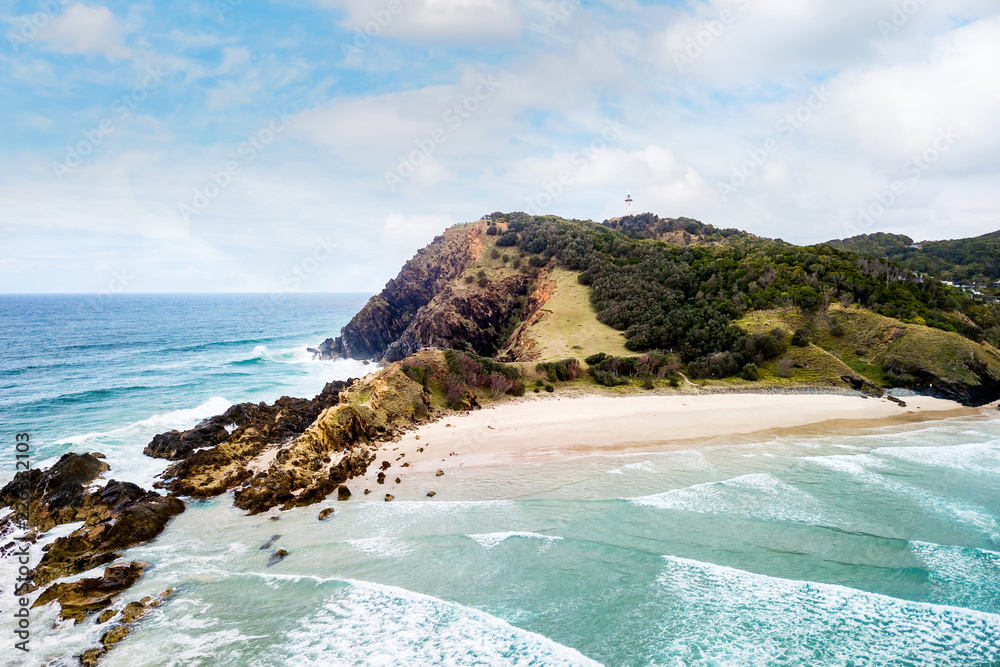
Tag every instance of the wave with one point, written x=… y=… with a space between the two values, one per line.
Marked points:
x=176 y=419
x=977 y=457
x=754 y=496
x=382 y=547
x=376 y=624
x=867 y=469
x=722 y=615
x=962 y=575
x=490 y=540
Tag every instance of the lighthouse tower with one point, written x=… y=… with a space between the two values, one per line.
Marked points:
x=628 y=203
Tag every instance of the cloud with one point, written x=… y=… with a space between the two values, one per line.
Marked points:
x=424 y=21
x=86 y=30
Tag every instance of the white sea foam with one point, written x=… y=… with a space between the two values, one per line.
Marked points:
x=963 y=575
x=382 y=547
x=979 y=457
x=642 y=466
x=868 y=469
x=373 y=624
x=753 y=496
x=260 y=353
x=176 y=419
x=763 y=620
x=490 y=540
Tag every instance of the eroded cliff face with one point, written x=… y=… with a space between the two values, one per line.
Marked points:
x=440 y=300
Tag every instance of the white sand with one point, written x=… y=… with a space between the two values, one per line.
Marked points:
x=546 y=427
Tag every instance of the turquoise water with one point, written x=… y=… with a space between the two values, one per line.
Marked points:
x=877 y=548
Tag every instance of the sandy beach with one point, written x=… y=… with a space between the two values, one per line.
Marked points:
x=548 y=427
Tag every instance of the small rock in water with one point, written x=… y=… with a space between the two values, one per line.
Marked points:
x=389 y=497
x=420 y=449
x=277 y=557
x=367 y=491
x=417 y=437
x=380 y=478
x=431 y=494
x=406 y=465
x=343 y=493
x=325 y=514
x=386 y=465
x=270 y=543
x=275 y=518
x=439 y=473
x=105 y=616
x=398 y=480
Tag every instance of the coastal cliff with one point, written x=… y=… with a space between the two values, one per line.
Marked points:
x=642 y=284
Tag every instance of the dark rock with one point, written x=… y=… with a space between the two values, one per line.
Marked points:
x=389 y=497
x=431 y=494
x=439 y=473
x=56 y=495
x=277 y=557
x=386 y=465
x=325 y=514
x=105 y=615
x=270 y=543
x=343 y=493
x=398 y=480
x=895 y=400
x=85 y=596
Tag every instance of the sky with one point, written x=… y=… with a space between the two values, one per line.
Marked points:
x=315 y=145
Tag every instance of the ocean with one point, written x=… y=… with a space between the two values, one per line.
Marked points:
x=879 y=547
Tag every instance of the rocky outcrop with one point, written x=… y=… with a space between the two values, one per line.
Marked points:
x=212 y=470
x=56 y=494
x=437 y=302
x=85 y=596
x=130 y=614
x=248 y=423
x=116 y=517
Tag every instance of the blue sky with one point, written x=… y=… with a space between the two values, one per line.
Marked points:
x=314 y=145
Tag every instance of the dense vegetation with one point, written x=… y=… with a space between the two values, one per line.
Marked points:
x=964 y=261
x=685 y=298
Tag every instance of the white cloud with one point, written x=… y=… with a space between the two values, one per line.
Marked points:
x=461 y=21
x=85 y=30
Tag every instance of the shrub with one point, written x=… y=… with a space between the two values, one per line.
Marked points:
x=584 y=278
x=494 y=253
x=481 y=273
x=549 y=388
x=786 y=367
x=483 y=281
x=505 y=258
x=595 y=359
x=507 y=239
x=751 y=372
x=562 y=371
x=516 y=264
x=675 y=381
x=801 y=337
x=492 y=230
x=469 y=279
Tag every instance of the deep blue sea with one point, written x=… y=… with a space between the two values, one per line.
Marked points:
x=881 y=547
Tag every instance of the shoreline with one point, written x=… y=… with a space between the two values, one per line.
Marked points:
x=546 y=428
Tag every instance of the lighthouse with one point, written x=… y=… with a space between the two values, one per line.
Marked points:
x=628 y=203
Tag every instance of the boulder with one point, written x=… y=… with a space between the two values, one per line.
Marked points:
x=85 y=596
x=325 y=514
